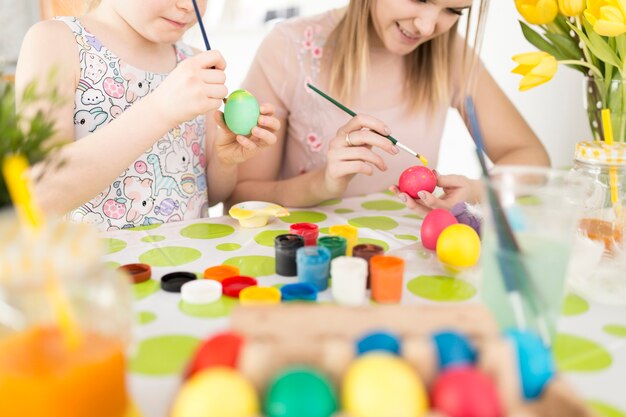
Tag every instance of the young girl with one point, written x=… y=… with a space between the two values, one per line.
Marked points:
x=401 y=62
x=148 y=143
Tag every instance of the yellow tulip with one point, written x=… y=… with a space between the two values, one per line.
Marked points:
x=537 y=12
x=571 y=7
x=535 y=67
x=608 y=17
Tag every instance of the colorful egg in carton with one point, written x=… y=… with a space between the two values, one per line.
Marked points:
x=387 y=361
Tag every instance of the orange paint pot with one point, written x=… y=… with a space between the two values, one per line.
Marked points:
x=387 y=277
x=221 y=272
x=41 y=376
x=609 y=233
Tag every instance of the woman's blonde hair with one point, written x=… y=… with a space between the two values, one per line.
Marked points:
x=427 y=68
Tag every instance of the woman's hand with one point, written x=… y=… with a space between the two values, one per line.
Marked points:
x=350 y=152
x=234 y=149
x=456 y=188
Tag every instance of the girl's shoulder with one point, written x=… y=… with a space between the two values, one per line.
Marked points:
x=320 y=25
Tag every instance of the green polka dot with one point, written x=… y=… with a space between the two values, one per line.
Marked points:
x=221 y=308
x=324 y=230
x=207 y=231
x=113 y=245
x=576 y=354
x=380 y=243
x=344 y=211
x=330 y=202
x=374 y=222
x=150 y=239
x=228 y=247
x=605 y=410
x=388 y=192
x=254 y=266
x=148 y=227
x=163 y=355
x=530 y=200
x=112 y=265
x=616 y=330
x=573 y=305
x=407 y=237
x=170 y=256
x=382 y=205
x=145 y=317
x=146 y=288
x=266 y=238
x=304 y=216
x=413 y=216
x=441 y=288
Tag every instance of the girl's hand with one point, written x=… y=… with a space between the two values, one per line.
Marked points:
x=196 y=86
x=350 y=152
x=234 y=149
x=456 y=188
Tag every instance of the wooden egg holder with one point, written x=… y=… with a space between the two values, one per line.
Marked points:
x=323 y=336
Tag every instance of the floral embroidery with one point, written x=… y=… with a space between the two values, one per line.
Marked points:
x=317 y=52
x=314 y=142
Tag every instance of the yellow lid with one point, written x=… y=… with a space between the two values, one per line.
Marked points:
x=259 y=295
x=599 y=152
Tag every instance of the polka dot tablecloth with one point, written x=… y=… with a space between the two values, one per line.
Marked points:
x=590 y=348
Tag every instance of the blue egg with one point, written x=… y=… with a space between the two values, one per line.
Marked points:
x=453 y=349
x=378 y=341
x=536 y=364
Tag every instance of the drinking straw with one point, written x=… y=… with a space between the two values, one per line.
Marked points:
x=608 y=139
x=14 y=169
x=199 y=17
x=351 y=113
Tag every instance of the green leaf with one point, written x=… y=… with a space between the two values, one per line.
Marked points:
x=567 y=45
x=598 y=46
x=539 y=42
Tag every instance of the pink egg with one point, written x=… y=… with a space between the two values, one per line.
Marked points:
x=416 y=179
x=465 y=392
x=432 y=226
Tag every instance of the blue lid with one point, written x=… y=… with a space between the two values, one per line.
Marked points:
x=453 y=349
x=302 y=291
x=377 y=341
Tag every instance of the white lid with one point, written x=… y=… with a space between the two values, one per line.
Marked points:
x=201 y=291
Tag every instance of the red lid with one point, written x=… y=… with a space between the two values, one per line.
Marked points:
x=232 y=286
x=304 y=228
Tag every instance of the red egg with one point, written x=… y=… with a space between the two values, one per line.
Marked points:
x=219 y=350
x=416 y=179
x=432 y=226
x=465 y=392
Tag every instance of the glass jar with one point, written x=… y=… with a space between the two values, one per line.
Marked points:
x=598 y=272
x=64 y=324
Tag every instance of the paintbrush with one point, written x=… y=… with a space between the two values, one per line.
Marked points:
x=518 y=282
x=351 y=113
x=199 y=18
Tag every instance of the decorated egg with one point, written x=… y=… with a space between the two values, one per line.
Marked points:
x=432 y=226
x=416 y=179
x=458 y=246
x=382 y=385
x=536 y=365
x=453 y=349
x=219 y=350
x=300 y=392
x=241 y=112
x=216 y=391
x=465 y=392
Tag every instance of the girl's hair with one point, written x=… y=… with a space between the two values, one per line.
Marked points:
x=427 y=68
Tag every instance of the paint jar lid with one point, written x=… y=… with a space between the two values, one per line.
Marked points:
x=174 y=281
x=232 y=286
x=138 y=272
x=201 y=291
x=259 y=295
x=221 y=272
x=302 y=291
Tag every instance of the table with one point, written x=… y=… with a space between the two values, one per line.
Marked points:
x=590 y=349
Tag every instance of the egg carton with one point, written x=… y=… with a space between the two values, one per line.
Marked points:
x=324 y=337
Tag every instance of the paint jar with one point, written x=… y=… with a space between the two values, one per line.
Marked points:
x=309 y=231
x=349 y=280
x=351 y=234
x=285 y=247
x=335 y=244
x=387 y=278
x=366 y=251
x=313 y=266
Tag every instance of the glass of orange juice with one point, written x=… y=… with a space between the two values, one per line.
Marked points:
x=64 y=325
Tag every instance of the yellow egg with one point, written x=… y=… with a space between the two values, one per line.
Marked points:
x=382 y=385
x=458 y=246
x=218 y=391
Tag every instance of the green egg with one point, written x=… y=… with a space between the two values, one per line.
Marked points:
x=241 y=112
x=300 y=392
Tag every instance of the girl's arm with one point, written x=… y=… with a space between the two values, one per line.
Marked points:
x=93 y=162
